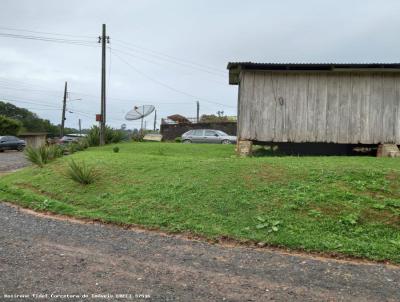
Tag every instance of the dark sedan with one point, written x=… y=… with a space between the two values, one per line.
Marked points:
x=11 y=143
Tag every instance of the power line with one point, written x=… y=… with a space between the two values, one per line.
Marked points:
x=43 y=32
x=158 y=64
x=157 y=53
x=27 y=102
x=47 y=39
x=166 y=85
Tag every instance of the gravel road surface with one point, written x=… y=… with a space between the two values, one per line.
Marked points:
x=44 y=255
x=12 y=160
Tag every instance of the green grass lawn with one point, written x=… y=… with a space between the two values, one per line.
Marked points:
x=345 y=205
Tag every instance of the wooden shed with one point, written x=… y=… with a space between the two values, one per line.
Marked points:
x=34 y=140
x=317 y=103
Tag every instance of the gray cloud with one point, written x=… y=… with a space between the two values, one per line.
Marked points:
x=207 y=33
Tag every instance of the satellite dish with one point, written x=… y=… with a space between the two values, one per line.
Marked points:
x=139 y=112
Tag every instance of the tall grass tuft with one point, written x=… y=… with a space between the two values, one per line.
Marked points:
x=55 y=151
x=34 y=156
x=81 y=173
x=42 y=155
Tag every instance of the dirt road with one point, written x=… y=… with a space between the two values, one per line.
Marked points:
x=12 y=160
x=43 y=255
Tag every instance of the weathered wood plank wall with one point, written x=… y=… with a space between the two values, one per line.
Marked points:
x=333 y=107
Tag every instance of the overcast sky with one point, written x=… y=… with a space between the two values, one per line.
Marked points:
x=173 y=53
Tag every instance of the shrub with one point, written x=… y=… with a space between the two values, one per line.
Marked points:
x=72 y=148
x=111 y=136
x=93 y=137
x=84 y=143
x=178 y=139
x=116 y=149
x=137 y=136
x=34 y=156
x=81 y=173
x=42 y=155
x=54 y=151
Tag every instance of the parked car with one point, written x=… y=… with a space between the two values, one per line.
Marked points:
x=11 y=143
x=69 y=139
x=207 y=136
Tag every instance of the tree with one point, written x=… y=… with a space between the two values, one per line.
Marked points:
x=30 y=121
x=9 y=126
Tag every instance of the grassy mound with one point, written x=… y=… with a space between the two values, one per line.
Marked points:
x=347 y=205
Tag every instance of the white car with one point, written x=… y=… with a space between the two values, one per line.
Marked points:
x=207 y=136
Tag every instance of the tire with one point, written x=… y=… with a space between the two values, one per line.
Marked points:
x=187 y=141
x=226 y=142
x=1 y=150
x=20 y=148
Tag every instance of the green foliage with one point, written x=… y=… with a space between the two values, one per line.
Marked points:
x=81 y=173
x=116 y=149
x=137 y=136
x=54 y=151
x=29 y=121
x=9 y=126
x=349 y=219
x=111 y=136
x=93 y=136
x=42 y=155
x=270 y=227
x=34 y=155
x=213 y=118
x=178 y=139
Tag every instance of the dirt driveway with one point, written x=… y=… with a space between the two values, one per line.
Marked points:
x=43 y=255
x=12 y=160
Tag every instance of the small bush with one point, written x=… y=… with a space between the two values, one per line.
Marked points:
x=42 y=155
x=72 y=148
x=111 y=136
x=34 y=156
x=137 y=137
x=54 y=151
x=178 y=139
x=116 y=149
x=81 y=173
x=84 y=143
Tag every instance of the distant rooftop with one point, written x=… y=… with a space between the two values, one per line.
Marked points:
x=236 y=67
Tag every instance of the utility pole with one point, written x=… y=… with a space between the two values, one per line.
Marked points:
x=104 y=39
x=198 y=111
x=155 y=120
x=63 y=111
x=80 y=127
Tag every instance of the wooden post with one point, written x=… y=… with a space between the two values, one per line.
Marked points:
x=244 y=147
x=388 y=150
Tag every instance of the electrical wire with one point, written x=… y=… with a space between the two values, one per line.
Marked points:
x=54 y=40
x=166 y=85
x=43 y=32
x=160 y=54
x=163 y=60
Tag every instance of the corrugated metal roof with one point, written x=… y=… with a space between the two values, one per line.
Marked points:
x=236 y=67
x=311 y=66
